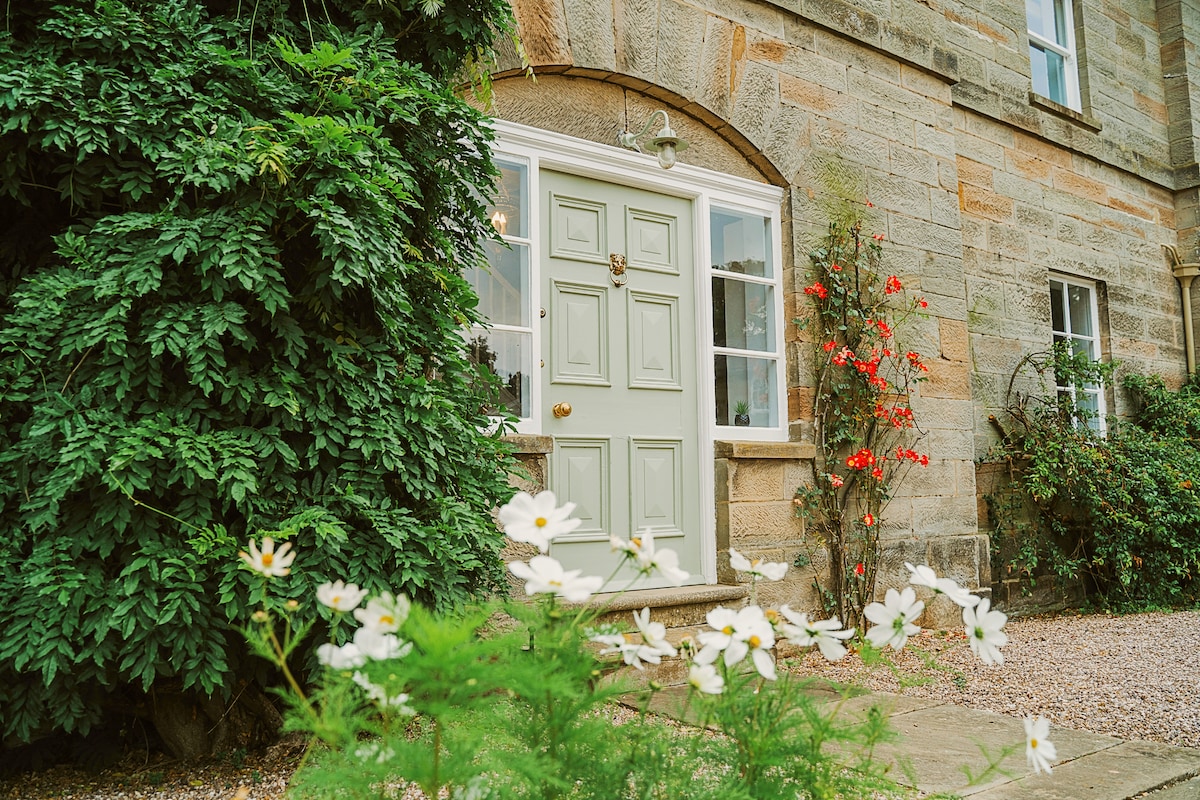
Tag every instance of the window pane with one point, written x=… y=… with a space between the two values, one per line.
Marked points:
x=741 y=243
x=503 y=289
x=746 y=386
x=1048 y=19
x=1080 y=299
x=1057 y=320
x=743 y=315
x=1049 y=74
x=509 y=355
x=508 y=211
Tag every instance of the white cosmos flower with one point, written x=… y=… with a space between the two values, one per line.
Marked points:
x=379 y=694
x=922 y=576
x=536 y=520
x=380 y=646
x=956 y=593
x=385 y=613
x=893 y=618
x=545 y=575
x=665 y=561
x=757 y=568
x=654 y=634
x=269 y=563
x=826 y=634
x=985 y=630
x=737 y=634
x=340 y=596
x=632 y=653
x=705 y=679
x=1039 y=751
x=348 y=656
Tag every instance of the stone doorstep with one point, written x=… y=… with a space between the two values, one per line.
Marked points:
x=682 y=611
x=676 y=608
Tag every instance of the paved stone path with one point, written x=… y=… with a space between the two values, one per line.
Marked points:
x=937 y=738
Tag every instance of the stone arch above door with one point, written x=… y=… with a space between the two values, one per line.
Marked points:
x=596 y=106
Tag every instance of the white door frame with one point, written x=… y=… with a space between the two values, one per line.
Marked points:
x=544 y=149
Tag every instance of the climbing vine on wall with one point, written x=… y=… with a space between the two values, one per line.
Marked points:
x=863 y=423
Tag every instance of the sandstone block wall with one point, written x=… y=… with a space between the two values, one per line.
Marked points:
x=981 y=188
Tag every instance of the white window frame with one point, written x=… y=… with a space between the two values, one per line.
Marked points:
x=524 y=424
x=542 y=149
x=1093 y=341
x=1066 y=50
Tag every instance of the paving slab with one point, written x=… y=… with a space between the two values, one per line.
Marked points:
x=937 y=742
x=1116 y=773
x=1188 y=790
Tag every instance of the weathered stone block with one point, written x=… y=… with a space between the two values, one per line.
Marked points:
x=756 y=480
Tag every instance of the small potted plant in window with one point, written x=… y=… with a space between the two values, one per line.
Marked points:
x=741 y=414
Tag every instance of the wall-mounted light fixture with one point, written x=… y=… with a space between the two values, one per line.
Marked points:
x=665 y=143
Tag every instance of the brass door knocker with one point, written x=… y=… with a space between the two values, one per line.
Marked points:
x=616 y=266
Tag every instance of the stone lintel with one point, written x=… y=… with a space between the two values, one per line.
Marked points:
x=795 y=450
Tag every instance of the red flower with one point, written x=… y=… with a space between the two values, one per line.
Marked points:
x=835 y=267
x=835 y=480
x=817 y=289
x=877 y=473
x=868 y=520
x=869 y=203
x=828 y=346
x=893 y=284
x=877 y=237
x=924 y=460
x=922 y=303
x=859 y=569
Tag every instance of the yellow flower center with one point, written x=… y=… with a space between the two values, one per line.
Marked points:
x=771 y=614
x=555 y=583
x=1033 y=743
x=386 y=619
x=636 y=542
x=335 y=600
x=267 y=558
x=540 y=522
x=727 y=630
x=754 y=641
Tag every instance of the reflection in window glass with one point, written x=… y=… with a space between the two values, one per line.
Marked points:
x=508 y=212
x=746 y=391
x=743 y=315
x=504 y=288
x=1052 y=61
x=509 y=355
x=741 y=243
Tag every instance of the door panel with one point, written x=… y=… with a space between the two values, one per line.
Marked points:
x=579 y=346
x=624 y=357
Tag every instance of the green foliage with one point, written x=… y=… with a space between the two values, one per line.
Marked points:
x=1120 y=513
x=863 y=425
x=526 y=712
x=231 y=244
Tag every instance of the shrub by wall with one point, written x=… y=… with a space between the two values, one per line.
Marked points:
x=231 y=243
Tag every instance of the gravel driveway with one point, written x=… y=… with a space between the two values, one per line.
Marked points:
x=1135 y=677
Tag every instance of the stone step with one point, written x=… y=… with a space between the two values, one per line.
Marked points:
x=682 y=611
x=681 y=607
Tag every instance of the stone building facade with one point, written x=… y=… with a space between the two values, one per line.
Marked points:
x=1007 y=200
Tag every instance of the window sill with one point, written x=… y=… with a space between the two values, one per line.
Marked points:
x=793 y=450
x=1059 y=110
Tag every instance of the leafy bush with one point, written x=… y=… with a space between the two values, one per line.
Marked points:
x=231 y=239
x=1120 y=512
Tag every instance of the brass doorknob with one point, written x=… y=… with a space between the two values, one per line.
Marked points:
x=562 y=409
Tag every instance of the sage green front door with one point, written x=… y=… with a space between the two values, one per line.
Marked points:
x=619 y=353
